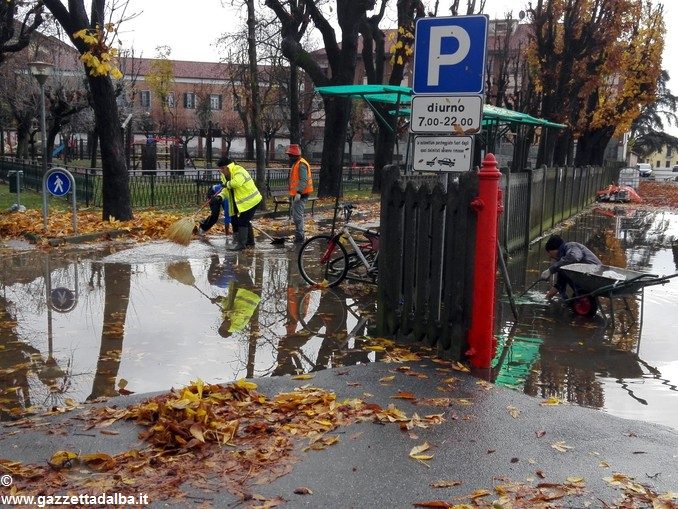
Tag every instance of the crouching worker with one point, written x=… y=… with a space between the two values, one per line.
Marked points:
x=245 y=199
x=215 y=210
x=565 y=253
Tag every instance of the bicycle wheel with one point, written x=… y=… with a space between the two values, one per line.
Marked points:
x=323 y=258
x=322 y=312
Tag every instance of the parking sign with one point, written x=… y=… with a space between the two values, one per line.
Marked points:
x=449 y=55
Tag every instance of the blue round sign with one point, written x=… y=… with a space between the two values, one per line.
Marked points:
x=58 y=183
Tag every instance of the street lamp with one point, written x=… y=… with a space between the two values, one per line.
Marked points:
x=41 y=71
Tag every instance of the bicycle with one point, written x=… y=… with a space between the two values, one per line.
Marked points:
x=323 y=259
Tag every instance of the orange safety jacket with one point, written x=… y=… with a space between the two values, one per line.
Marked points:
x=295 y=181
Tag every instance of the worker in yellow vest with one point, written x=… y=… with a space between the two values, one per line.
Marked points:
x=245 y=197
x=300 y=186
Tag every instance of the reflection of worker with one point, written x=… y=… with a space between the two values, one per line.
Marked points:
x=300 y=186
x=244 y=202
x=215 y=210
x=240 y=303
x=565 y=253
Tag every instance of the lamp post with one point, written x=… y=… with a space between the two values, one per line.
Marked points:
x=41 y=71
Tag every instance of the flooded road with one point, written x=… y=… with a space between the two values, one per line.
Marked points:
x=81 y=324
x=626 y=366
x=154 y=316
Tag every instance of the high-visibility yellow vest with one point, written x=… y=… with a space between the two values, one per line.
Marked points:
x=244 y=305
x=245 y=192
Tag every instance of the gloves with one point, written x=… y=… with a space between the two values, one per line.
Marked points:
x=546 y=275
x=216 y=199
x=297 y=197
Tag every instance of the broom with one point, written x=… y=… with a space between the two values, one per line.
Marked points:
x=181 y=231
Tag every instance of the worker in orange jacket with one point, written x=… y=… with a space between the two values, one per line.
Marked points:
x=300 y=187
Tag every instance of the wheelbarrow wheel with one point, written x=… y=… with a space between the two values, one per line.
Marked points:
x=585 y=306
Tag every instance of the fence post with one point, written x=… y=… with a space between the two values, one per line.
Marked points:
x=487 y=205
x=528 y=223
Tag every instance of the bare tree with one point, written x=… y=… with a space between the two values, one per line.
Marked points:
x=18 y=21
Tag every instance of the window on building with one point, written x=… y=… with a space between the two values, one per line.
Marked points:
x=215 y=101
x=145 y=97
x=668 y=163
x=170 y=100
x=669 y=151
x=658 y=164
x=189 y=100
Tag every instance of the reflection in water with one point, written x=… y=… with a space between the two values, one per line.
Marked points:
x=159 y=318
x=116 y=285
x=599 y=363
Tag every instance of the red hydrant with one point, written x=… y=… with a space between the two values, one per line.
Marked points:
x=487 y=204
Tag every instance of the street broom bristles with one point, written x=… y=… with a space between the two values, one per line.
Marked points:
x=181 y=231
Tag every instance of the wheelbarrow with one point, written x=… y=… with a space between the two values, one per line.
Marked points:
x=594 y=281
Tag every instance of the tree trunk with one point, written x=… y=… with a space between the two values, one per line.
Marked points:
x=383 y=154
x=249 y=147
x=115 y=188
x=591 y=147
x=93 y=147
x=295 y=117
x=337 y=113
x=256 y=103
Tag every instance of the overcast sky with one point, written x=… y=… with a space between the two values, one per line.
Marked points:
x=192 y=29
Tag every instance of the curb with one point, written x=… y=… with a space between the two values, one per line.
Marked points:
x=76 y=239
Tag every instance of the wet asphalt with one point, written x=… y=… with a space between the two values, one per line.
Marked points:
x=502 y=437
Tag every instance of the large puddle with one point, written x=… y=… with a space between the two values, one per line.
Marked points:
x=627 y=366
x=155 y=316
x=79 y=325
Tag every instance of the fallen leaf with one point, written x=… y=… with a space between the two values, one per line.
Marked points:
x=444 y=484
x=387 y=379
x=552 y=401
x=303 y=490
x=306 y=376
x=61 y=459
x=561 y=446
x=433 y=503
x=404 y=395
x=513 y=411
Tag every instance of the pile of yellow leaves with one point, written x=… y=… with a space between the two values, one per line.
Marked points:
x=146 y=225
x=202 y=433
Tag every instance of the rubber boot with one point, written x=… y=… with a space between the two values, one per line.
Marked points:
x=250 y=236
x=240 y=242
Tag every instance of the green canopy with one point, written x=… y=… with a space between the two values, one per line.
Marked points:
x=398 y=95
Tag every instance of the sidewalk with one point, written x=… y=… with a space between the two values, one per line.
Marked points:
x=491 y=441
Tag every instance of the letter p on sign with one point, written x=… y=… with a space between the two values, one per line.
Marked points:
x=449 y=55
x=436 y=58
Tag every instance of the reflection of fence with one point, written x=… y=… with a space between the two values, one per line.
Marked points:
x=536 y=200
x=426 y=259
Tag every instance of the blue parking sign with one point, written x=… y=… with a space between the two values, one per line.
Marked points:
x=449 y=55
x=58 y=183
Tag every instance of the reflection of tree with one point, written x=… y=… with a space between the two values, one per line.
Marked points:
x=117 y=287
x=20 y=364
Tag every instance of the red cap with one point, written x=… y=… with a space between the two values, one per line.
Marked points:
x=293 y=150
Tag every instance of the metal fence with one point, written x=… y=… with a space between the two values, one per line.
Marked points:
x=166 y=188
x=536 y=200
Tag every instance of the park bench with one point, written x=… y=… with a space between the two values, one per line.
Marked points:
x=279 y=193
